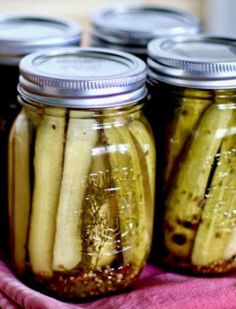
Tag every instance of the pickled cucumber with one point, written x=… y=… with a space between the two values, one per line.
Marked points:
x=48 y=162
x=127 y=173
x=11 y=164
x=185 y=120
x=146 y=152
x=19 y=190
x=212 y=242
x=140 y=132
x=80 y=140
x=186 y=197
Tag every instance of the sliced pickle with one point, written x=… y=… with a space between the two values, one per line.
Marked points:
x=19 y=188
x=11 y=177
x=80 y=140
x=146 y=152
x=48 y=162
x=128 y=180
x=215 y=238
x=185 y=120
x=146 y=143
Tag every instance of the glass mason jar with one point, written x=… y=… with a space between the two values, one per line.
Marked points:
x=131 y=27
x=81 y=172
x=20 y=35
x=193 y=78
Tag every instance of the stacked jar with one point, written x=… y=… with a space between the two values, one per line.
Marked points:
x=193 y=84
x=81 y=172
x=131 y=27
x=21 y=35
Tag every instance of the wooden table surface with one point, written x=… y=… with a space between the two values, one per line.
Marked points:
x=81 y=9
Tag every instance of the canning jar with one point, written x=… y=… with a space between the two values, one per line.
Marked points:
x=81 y=172
x=20 y=35
x=131 y=27
x=193 y=79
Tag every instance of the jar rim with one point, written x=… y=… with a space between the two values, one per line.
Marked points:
x=83 y=77
x=199 y=61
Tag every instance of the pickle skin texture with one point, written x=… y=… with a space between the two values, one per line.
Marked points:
x=213 y=242
x=185 y=120
x=48 y=159
x=186 y=196
x=147 y=158
x=146 y=143
x=132 y=212
x=81 y=138
x=19 y=186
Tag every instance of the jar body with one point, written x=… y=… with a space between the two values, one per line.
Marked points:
x=9 y=109
x=198 y=179
x=81 y=222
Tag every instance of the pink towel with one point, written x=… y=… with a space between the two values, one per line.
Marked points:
x=155 y=289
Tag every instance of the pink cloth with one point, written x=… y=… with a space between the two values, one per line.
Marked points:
x=155 y=289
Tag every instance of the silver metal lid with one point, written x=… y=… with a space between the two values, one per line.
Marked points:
x=82 y=78
x=198 y=61
x=23 y=34
x=138 y=24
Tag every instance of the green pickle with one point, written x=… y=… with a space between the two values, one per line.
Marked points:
x=19 y=204
x=48 y=157
x=185 y=119
x=86 y=214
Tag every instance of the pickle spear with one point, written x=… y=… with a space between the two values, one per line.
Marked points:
x=212 y=242
x=99 y=215
x=11 y=164
x=130 y=195
x=19 y=188
x=80 y=140
x=146 y=143
x=185 y=120
x=186 y=196
x=48 y=160
x=146 y=152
